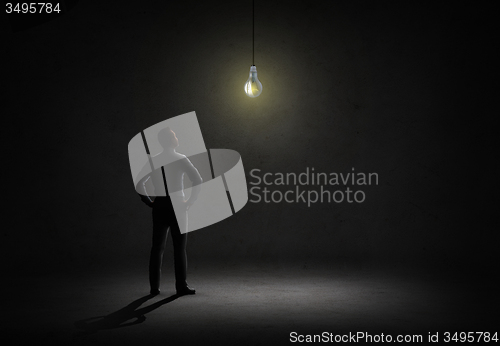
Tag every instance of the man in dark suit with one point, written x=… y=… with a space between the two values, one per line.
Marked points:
x=173 y=168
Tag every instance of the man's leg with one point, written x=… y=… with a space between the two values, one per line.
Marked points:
x=180 y=256
x=180 y=260
x=160 y=231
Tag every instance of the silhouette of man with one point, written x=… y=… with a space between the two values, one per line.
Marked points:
x=173 y=168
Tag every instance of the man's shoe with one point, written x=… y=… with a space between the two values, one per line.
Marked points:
x=185 y=290
x=154 y=292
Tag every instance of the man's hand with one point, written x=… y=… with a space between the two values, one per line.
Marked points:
x=188 y=204
x=147 y=201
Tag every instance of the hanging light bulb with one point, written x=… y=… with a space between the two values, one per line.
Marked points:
x=253 y=86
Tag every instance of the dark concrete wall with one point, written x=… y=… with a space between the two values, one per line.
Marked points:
x=392 y=88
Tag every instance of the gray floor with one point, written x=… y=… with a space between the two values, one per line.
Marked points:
x=242 y=305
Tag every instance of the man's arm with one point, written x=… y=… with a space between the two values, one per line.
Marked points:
x=195 y=177
x=146 y=191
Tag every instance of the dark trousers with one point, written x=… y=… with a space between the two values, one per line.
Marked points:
x=164 y=220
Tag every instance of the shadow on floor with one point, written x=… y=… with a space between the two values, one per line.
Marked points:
x=120 y=318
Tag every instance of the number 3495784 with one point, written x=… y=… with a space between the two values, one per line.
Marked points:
x=32 y=7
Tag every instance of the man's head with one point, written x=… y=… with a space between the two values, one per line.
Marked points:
x=167 y=138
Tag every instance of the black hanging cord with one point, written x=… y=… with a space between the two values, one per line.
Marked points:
x=253 y=33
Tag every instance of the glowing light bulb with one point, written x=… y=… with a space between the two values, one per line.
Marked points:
x=253 y=86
